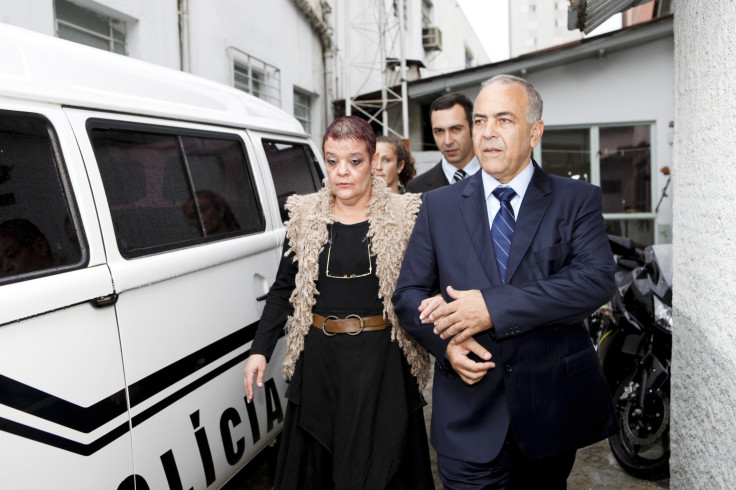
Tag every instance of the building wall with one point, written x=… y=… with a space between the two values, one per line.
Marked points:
x=224 y=29
x=629 y=86
x=704 y=363
x=37 y=15
x=538 y=24
x=457 y=36
x=361 y=50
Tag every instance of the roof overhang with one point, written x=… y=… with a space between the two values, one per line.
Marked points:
x=592 y=47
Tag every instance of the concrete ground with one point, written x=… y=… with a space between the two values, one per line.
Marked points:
x=595 y=468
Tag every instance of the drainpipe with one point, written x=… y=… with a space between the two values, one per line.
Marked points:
x=321 y=27
x=184 y=52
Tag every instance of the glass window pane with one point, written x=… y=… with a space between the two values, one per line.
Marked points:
x=79 y=16
x=146 y=187
x=639 y=230
x=294 y=169
x=626 y=169
x=566 y=152
x=77 y=36
x=241 y=78
x=38 y=233
x=226 y=196
x=83 y=26
x=302 y=110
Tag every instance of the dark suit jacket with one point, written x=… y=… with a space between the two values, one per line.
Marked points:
x=434 y=178
x=547 y=383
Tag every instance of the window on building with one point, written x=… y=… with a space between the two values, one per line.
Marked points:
x=395 y=10
x=303 y=109
x=616 y=158
x=83 y=26
x=168 y=189
x=39 y=231
x=257 y=78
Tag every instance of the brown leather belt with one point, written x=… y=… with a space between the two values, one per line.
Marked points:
x=351 y=325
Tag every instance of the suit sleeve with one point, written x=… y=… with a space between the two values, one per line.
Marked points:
x=568 y=295
x=418 y=280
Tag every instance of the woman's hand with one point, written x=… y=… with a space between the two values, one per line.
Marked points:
x=256 y=365
x=428 y=305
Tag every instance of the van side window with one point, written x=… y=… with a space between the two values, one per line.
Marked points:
x=294 y=169
x=39 y=230
x=169 y=190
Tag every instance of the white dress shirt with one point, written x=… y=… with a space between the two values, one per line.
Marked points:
x=519 y=184
x=469 y=169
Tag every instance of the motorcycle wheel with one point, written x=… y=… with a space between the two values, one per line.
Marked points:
x=642 y=443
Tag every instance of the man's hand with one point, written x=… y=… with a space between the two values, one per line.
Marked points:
x=469 y=370
x=256 y=366
x=462 y=318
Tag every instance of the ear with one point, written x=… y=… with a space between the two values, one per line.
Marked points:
x=400 y=166
x=537 y=130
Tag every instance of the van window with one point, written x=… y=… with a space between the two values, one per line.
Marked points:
x=169 y=189
x=294 y=168
x=39 y=232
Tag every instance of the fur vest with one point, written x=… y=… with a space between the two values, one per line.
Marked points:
x=391 y=219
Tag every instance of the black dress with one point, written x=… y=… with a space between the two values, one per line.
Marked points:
x=354 y=416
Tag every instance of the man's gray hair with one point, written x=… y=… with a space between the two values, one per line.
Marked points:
x=534 y=111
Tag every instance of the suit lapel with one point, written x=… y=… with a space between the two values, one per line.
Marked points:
x=536 y=200
x=475 y=216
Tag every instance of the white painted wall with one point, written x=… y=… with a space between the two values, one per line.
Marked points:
x=36 y=15
x=704 y=352
x=456 y=36
x=630 y=86
x=361 y=50
x=275 y=32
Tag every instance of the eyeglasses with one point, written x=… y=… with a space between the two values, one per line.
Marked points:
x=348 y=276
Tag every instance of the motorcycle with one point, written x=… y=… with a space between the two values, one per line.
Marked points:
x=634 y=342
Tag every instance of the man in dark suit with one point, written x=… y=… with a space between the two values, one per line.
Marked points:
x=518 y=386
x=451 y=116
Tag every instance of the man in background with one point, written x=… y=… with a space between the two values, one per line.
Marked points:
x=450 y=116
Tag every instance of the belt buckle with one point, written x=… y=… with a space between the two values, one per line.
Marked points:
x=331 y=317
x=362 y=324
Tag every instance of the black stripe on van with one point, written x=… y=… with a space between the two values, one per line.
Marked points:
x=86 y=419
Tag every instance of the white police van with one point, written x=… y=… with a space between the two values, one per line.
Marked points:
x=140 y=229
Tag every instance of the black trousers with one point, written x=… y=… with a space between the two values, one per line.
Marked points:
x=510 y=470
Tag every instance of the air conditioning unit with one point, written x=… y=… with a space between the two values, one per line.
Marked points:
x=432 y=38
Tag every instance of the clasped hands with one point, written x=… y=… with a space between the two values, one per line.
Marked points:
x=460 y=320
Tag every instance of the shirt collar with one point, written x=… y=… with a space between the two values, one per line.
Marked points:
x=519 y=183
x=472 y=167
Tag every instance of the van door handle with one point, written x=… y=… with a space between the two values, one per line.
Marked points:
x=262 y=297
x=104 y=301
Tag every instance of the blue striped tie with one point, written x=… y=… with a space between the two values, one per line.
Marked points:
x=502 y=228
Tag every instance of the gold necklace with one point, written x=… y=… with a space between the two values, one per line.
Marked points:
x=347 y=276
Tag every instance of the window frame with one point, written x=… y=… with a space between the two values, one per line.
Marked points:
x=112 y=23
x=316 y=170
x=306 y=122
x=154 y=128
x=67 y=194
x=248 y=65
x=595 y=163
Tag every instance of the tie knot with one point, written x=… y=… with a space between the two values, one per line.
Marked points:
x=504 y=193
x=459 y=175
